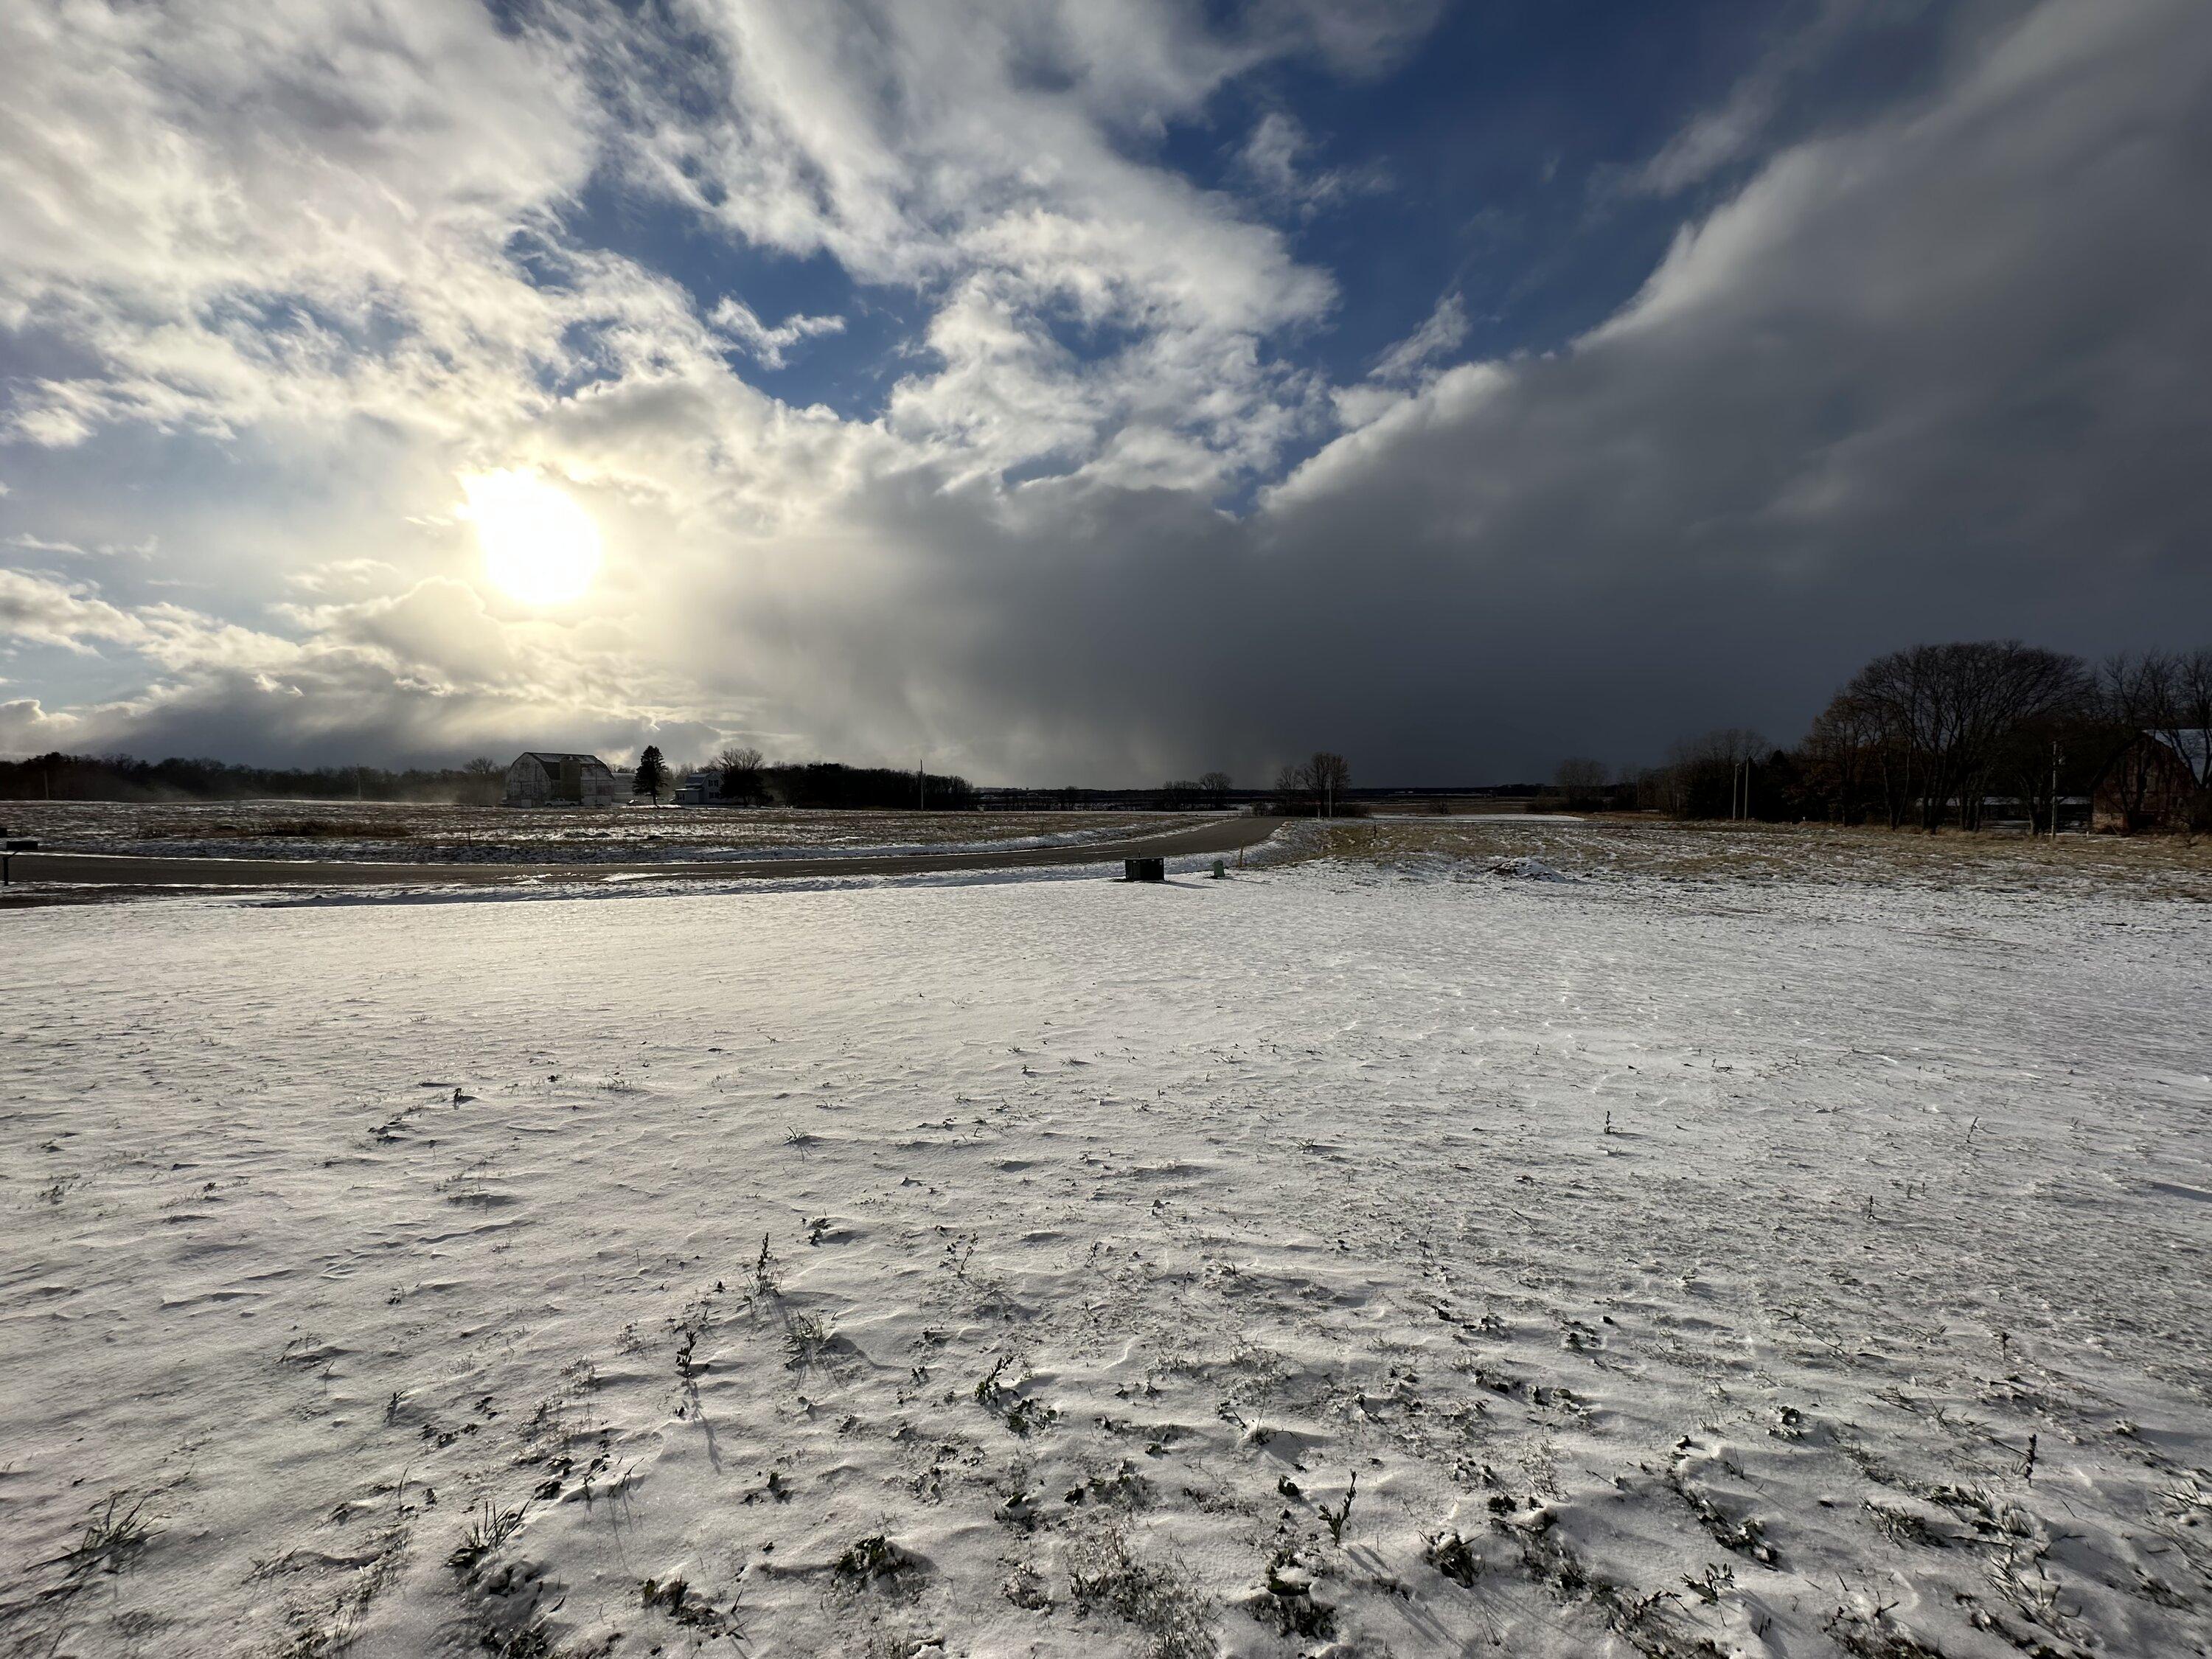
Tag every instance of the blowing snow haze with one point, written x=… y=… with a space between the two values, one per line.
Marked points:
x=1087 y=392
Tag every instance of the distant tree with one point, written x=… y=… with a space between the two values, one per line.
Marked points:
x=1178 y=794
x=1216 y=786
x=1291 y=781
x=850 y=788
x=1947 y=711
x=1841 y=759
x=1712 y=774
x=1328 y=775
x=1582 y=783
x=652 y=776
x=741 y=773
x=487 y=779
x=2177 y=705
x=2166 y=696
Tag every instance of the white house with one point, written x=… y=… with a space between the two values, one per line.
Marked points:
x=699 y=788
x=541 y=777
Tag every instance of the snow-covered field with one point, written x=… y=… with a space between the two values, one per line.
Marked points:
x=1767 y=1267
x=431 y=833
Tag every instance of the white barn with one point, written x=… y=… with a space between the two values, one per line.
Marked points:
x=540 y=777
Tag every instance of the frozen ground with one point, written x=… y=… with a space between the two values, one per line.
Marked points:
x=427 y=832
x=1758 y=1267
x=2144 y=866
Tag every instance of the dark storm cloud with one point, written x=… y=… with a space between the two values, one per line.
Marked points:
x=1943 y=376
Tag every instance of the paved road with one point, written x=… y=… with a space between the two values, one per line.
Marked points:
x=103 y=875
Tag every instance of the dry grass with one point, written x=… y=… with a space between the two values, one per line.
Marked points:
x=2148 y=866
x=434 y=832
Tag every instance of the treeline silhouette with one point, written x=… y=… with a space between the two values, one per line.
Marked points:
x=1939 y=734
x=857 y=788
x=58 y=776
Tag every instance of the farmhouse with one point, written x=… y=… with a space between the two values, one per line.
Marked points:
x=2162 y=781
x=699 y=788
x=541 y=777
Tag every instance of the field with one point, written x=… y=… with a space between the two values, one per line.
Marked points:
x=2148 y=866
x=428 y=833
x=1748 y=1243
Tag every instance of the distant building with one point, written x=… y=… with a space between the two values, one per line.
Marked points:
x=541 y=777
x=2162 y=781
x=700 y=788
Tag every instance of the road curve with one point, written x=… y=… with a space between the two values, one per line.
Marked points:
x=95 y=875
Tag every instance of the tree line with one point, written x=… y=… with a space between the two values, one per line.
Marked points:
x=1187 y=794
x=745 y=778
x=1316 y=784
x=1929 y=736
x=56 y=776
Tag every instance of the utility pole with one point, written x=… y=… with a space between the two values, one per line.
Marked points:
x=921 y=783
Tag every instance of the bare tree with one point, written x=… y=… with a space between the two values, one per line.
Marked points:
x=487 y=779
x=2159 y=696
x=1703 y=772
x=2184 y=717
x=1216 y=786
x=1943 y=712
x=740 y=767
x=1328 y=775
x=1840 y=756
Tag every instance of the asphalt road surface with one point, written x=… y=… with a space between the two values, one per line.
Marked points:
x=51 y=877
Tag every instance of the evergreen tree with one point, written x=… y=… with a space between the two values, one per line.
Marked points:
x=651 y=775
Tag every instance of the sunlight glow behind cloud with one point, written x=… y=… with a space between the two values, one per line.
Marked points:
x=539 y=547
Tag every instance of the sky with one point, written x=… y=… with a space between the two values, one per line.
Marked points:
x=1084 y=391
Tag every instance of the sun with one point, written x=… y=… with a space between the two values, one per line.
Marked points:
x=539 y=547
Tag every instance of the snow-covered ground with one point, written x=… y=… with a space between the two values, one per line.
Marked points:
x=1760 y=1268
x=418 y=832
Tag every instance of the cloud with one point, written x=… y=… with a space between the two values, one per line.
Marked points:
x=46 y=610
x=1940 y=374
x=1941 y=369
x=734 y=318
x=30 y=543
x=1406 y=365
x=1730 y=132
x=1274 y=160
x=985 y=157
x=26 y=728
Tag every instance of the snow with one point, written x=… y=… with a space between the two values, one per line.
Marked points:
x=1527 y=869
x=1733 y=1266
